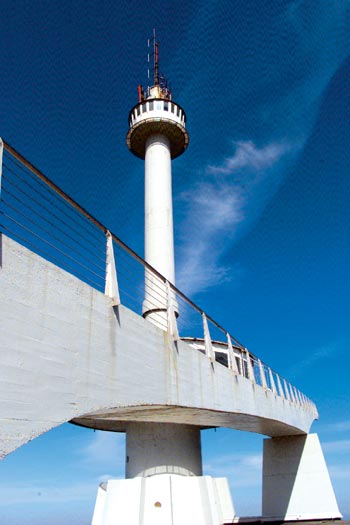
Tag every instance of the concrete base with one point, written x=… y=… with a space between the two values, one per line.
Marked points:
x=164 y=500
x=296 y=483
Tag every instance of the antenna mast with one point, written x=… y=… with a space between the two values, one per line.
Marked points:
x=156 y=63
x=160 y=87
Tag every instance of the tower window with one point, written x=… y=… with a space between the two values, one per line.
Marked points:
x=138 y=110
x=150 y=105
x=166 y=106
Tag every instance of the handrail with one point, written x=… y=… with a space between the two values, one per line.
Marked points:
x=247 y=365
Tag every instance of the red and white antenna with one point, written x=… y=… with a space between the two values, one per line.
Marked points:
x=159 y=80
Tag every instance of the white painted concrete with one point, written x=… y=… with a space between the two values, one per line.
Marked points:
x=159 y=236
x=67 y=354
x=152 y=109
x=296 y=483
x=164 y=500
x=162 y=448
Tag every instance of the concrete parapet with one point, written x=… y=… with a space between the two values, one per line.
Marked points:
x=67 y=354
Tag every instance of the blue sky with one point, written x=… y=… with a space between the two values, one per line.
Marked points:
x=261 y=199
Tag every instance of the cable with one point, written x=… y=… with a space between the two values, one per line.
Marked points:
x=50 y=244
x=76 y=242
x=90 y=232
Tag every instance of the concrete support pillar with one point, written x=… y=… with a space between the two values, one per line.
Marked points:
x=159 y=236
x=164 y=483
x=162 y=448
x=296 y=483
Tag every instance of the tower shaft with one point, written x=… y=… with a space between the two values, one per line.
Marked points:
x=159 y=237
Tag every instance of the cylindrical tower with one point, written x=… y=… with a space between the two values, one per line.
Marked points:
x=163 y=468
x=157 y=134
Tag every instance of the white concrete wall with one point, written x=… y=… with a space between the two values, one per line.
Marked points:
x=296 y=483
x=65 y=353
x=164 y=499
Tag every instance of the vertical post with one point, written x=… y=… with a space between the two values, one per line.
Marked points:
x=172 y=324
x=251 y=374
x=272 y=382
x=292 y=395
x=207 y=339
x=280 y=388
x=232 y=363
x=111 y=284
x=287 y=394
x=262 y=374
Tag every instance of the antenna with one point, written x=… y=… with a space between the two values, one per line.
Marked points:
x=159 y=80
x=156 y=64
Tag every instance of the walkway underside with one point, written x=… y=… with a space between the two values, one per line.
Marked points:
x=117 y=419
x=68 y=355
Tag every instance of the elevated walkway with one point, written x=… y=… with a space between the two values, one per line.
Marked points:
x=68 y=355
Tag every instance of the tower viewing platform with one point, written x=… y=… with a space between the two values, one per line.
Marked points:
x=157 y=116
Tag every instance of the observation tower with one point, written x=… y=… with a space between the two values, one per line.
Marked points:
x=157 y=134
x=163 y=459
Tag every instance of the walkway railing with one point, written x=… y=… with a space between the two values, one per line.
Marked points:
x=39 y=215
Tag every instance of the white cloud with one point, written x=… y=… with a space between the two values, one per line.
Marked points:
x=241 y=470
x=248 y=155
x=340 y=426
x=232 y=193
x=338 y=446
x=105 y=449
x=339 y=472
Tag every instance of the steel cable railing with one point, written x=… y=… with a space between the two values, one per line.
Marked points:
x=39 y=215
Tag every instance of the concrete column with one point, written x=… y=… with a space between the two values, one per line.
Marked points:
x=162 y=448
x=159 y=236
x=296 y=483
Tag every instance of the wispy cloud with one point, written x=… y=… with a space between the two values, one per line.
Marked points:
x=101 y=447
x=46 y=492
x=340 y=446
x=242 y=470
x=314 y=356
x=230 y=194
x=248 y=155
x=245 y=179
x=340 y=472
x=339 y=426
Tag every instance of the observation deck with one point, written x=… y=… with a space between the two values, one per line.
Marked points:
x=157 y=116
